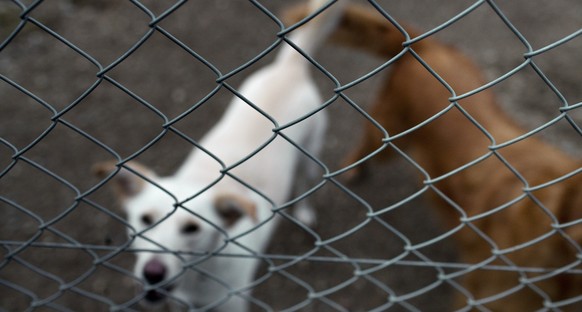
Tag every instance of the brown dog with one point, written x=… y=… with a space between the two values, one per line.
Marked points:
x=504 y=208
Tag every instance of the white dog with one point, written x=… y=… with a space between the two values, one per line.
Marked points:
x=190 y=227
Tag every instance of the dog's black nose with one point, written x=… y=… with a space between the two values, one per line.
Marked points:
x=154 y=271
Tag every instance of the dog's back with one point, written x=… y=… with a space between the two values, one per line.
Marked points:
x=272 y=97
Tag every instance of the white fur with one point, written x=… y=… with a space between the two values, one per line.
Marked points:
x=283 y=90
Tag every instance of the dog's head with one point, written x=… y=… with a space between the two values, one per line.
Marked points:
x=169 y=226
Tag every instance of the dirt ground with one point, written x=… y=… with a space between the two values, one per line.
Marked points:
x=60 y=252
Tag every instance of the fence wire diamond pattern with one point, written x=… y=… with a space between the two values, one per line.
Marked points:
x=85 y=81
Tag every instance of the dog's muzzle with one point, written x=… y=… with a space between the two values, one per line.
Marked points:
x=154 y=272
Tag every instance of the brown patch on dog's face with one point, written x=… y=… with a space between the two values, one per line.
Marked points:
x=231 y=208
x=126 y=183
x=295 y=14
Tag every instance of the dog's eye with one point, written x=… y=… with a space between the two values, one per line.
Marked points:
x=147 y=219
x=190 y=228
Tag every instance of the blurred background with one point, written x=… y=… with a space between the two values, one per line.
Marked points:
x=76 y=260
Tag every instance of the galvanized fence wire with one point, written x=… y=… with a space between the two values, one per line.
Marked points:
x=279 y=264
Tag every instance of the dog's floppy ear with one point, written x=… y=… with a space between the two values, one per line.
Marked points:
x=295 y=14
x=231 y=208
x=126 y=183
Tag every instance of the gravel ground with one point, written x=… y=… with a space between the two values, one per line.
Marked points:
x=36 y=207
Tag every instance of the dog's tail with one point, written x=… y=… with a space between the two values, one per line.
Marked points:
x=311 y=35
x=360 y=28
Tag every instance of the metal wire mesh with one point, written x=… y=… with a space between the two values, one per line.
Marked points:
x=86 y=81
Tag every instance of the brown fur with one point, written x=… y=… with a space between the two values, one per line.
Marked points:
x=410 y=96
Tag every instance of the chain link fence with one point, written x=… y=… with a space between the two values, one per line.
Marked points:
x=87 y=81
